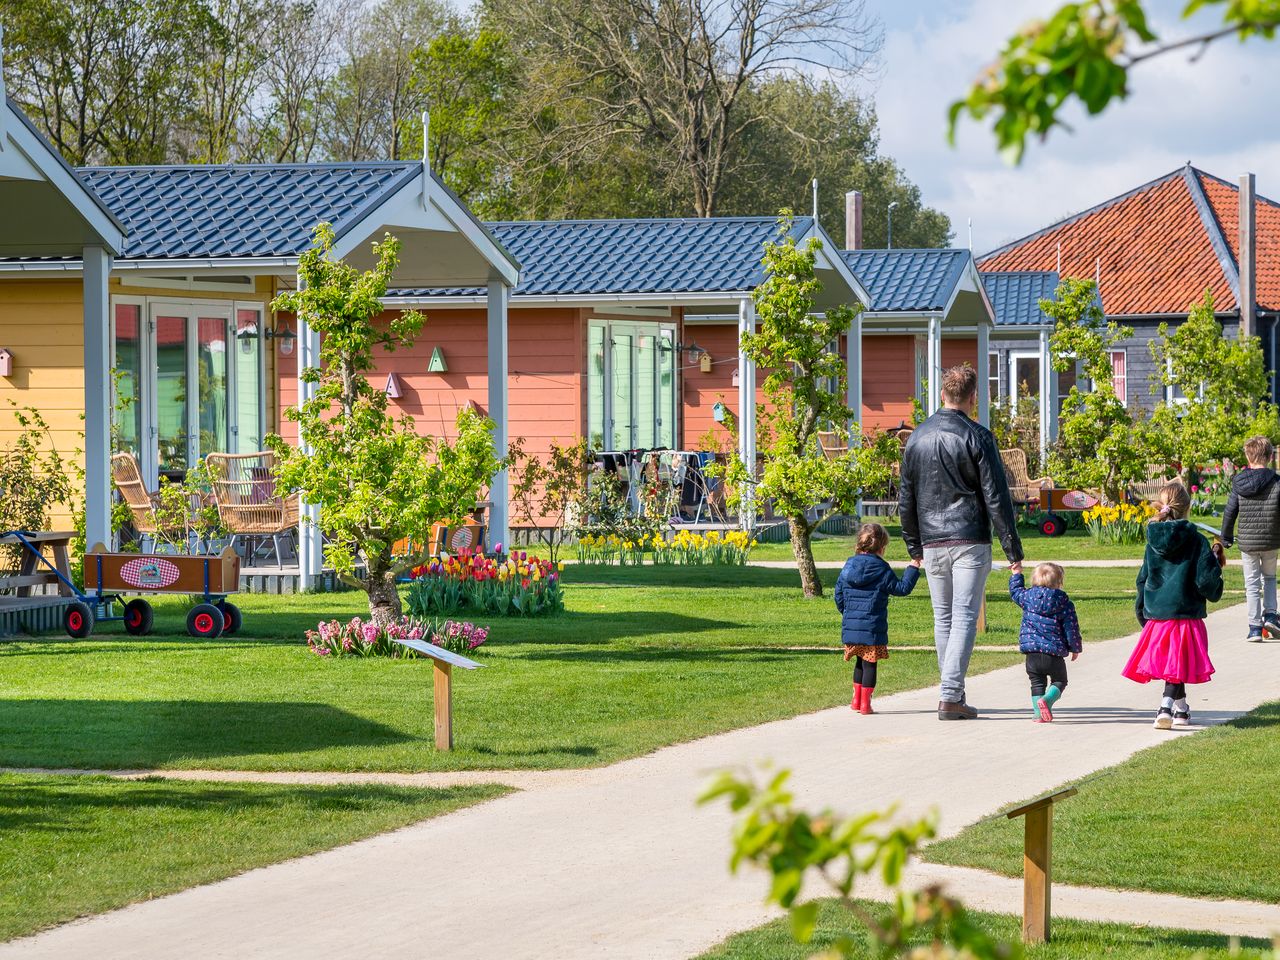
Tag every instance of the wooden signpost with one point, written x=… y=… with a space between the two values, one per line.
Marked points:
x=443 y=661
x=1037 y=850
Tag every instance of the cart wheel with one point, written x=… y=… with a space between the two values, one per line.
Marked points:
x=77 y=619
x=230 y=614
x=205 y=621
x=1052 y=526
x=138 y=617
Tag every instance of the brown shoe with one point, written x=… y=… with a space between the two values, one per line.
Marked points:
x=956 y=710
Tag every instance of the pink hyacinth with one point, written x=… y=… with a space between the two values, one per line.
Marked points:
x=370 y=632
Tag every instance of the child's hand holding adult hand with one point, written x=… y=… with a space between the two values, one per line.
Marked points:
x=1015 y=567
x=915 y=562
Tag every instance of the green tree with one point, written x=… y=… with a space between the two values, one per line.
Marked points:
x=1099 y=444
x=1222 y=381
x=376 y=479
x=1083 y=54
x=804 y=393
x=795 y=846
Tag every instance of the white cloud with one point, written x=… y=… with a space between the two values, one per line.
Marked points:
x=1213 y=112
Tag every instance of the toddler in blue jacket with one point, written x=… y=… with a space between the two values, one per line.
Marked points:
x=862 y=597
x=1050 y=631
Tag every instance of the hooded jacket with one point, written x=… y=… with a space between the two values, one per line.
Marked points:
x=1049 y=622
x=1255 y=501
x=862 y=597
x=1179 y=573
x=953 y=488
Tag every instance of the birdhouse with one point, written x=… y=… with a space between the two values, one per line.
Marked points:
x=393 y=387
x=6 y=362
x=437 y=364
x=704 y=362
x=718 y=412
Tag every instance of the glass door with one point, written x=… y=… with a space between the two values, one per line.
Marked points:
x=170 y=407
x=127 y=366
x=631 y=385
x=211 y=378
x=250 y=384
x=622 y=414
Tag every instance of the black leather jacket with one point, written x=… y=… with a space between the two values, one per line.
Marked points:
x=953 y=487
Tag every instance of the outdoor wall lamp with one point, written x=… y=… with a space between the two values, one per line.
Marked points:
x=284 y=333
x=246 y=336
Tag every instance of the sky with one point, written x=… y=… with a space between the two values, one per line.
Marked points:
x=1217 y=112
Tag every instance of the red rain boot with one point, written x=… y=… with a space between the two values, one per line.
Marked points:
x=856 y=702
x=864 y=704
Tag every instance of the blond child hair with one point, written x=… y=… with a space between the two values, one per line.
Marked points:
x=1175 y=501
x=1047 y=575
x=872 y=538
x=1259 y=451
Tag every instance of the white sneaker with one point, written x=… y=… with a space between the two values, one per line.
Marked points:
x=1164 y=719
x=1182 y=718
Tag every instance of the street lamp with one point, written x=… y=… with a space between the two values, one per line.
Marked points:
x=891 y=206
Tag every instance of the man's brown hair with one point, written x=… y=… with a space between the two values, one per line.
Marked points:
x=872 y=538
x=960 y=384
x=1259 y=451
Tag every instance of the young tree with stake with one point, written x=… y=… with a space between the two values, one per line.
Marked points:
x=376 y=479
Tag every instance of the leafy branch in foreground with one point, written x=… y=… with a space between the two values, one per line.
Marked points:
x=1084 y=53
x=792 y=845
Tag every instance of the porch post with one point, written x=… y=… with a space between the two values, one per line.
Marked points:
x=499 y=294
x=934 y=401
x=854 y=374
x=97 y=397
x=310 y=553
x=1046 y=373
x=747 y=410
x=984 y=374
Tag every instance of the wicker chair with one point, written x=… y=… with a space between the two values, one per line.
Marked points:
x=1149 y=489
x=245 y=493
x=1023 y=489
x=127 y=476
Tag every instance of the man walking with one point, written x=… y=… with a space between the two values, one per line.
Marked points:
x=953 y=491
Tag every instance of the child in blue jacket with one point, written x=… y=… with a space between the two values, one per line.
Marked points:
x=862 y=597
x=1050 y=631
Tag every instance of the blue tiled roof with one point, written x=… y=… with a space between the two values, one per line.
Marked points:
x=1015 y=295
x=566 y=257
x=238 y=210
x=907 y=280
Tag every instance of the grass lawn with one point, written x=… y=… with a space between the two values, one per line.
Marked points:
x=642 y=658
x=1072 y=940
x=1073 y=545
x=73 y=846
x=1193 y=816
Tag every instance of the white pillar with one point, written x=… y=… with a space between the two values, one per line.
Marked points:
x=747 y=410
x=1046 y=370
x=984 y=374
x=310 y=551
x=97 y=397
x=854 y=375
x=499 y=294
x=935 y=365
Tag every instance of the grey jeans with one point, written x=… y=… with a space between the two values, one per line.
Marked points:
x=1259 y=585
x=957 y=580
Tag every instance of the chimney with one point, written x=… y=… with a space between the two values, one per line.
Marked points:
x=1247 y=259
x=853 y=220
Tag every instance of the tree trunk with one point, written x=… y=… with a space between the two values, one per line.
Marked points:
x=384 y=598
x=802 y=549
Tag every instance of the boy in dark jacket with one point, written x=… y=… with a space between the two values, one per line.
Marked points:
x=1050 y=631
x=1254 y=501
x=862 y=597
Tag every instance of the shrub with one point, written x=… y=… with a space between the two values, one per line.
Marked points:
x=520 y=586
x=360 y=638
x=34 y=479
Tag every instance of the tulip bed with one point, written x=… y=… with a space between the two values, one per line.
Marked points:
x=520 y=585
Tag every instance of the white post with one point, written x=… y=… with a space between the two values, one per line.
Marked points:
x=747 y=410
x=935 y=365
x=1045 y=371
x=499 y=294
x=854 y=375
x=984 y=374
x=97 y=397
x=310 y=553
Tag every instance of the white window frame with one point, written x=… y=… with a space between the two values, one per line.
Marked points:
x=1122 y=396
x=1014 y=357
x=995 y=380
x=1169 y=388
x=638 y=327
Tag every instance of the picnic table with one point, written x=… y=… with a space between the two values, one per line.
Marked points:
x=28 y=576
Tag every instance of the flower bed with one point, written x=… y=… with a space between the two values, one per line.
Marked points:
x=685 y=548
x=520 y=586
x=360 y=638
x=1121 y=523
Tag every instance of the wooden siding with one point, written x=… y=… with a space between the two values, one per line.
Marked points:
x=700 y=392
x=888 y=380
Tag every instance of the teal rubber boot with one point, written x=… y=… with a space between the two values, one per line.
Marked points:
x=1035 y=707
x=1053 y=695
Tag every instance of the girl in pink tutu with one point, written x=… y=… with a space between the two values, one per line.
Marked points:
x=1179 y=573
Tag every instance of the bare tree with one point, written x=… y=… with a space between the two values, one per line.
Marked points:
x=229 y=69
x=677 y=71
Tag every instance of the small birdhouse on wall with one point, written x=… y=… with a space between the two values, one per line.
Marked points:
x=718 y=412
x=704 y=362
x=437 y=364
x=6 y=362
x=393 y=387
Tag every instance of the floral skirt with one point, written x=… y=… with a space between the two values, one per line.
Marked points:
x=870 y=653
x=1176 y=651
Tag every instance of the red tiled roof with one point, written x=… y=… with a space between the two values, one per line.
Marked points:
x=1156 y=248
